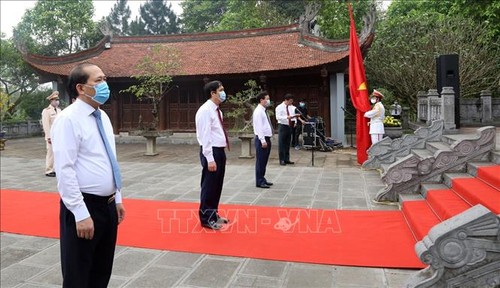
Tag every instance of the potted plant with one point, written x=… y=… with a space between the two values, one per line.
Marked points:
x=242 y=105
x=154 y=82
x=393 y=128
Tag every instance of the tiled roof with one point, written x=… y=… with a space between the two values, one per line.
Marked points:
x=231 y=52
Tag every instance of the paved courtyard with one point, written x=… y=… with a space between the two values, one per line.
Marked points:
x=335 y=181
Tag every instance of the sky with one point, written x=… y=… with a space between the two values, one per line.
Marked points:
x=11 y=11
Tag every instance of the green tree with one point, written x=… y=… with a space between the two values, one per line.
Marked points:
x=154 y=78
x=118 y=18
x=202 y=15
x=486 y=12
x=17 y=79
x=159 y=18
x=333 y=17
x=224 y=15
x=55 y=27
x=241 y=106
x=138 y=27
x=402 y=57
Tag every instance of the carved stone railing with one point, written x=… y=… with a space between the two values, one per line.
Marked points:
x=431 y=106
x=463 y=251
x=405 y=175
x=386 y=151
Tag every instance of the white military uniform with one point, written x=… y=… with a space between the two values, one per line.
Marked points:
x=376 y=116
x=48 y=116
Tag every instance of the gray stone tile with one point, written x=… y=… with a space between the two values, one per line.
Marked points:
x=243 y=281
x=315 y=276
x=17 y=274
x=52 y=276
x=297 y=201
x=398 y=277
x=212 y=273
x=178 y=259
x=328 y=196
x=351 y=276
x=158 y=277
x=36 y=243
x=354 y=203
x=47 y=257
x=266 y=268
x=131 y=261
x=116 y=282
x=12 y=255
x=321 y=204
x=268 y=202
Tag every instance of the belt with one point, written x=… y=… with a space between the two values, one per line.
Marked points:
x=99 y=199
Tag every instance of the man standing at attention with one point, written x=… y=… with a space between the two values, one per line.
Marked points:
x=48 y=116
x=213 y=140
x=284 y=118
x=263 y=133
x=376 y=115
x=88 y=180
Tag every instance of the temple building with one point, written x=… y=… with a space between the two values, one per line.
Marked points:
x=281 y=60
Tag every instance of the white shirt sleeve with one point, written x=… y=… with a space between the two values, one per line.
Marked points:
x=203 y=129
x=65 y=145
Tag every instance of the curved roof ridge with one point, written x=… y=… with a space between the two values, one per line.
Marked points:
x=204 y=36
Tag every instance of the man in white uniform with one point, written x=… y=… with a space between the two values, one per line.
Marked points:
x=376 y=116
x=48 y=116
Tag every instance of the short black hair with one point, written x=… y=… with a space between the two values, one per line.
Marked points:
x=78 y=75
x=288 y=96
x=211 y=87
x=262 y=95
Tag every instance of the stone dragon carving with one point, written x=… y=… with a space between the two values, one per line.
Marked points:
x=405 y=175
x=387 y=150
x=463 y=251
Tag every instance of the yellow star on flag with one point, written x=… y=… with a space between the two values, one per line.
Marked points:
x=362 y=86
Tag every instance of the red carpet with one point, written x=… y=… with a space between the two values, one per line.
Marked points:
x=341 y=237
x=442 y=204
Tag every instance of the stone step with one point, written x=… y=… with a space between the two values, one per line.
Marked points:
x=433 y=147
x=495 y=156
x=473 y=166
x=448 y=177
x=452 y=138
x=426 y=187
x=422 y=153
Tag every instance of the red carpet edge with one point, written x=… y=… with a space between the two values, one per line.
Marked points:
x=336 y=237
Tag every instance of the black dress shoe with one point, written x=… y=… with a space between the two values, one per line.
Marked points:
x=51 y=174
x=269 y=183
x=222 y=220
x=263 y=186
x=289 y=162
x=282 y=163
x=212 y=225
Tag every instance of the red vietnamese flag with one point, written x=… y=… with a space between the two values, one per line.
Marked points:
x=359 y=93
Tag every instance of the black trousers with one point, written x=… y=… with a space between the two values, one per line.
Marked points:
x=284 y=139
x=297 y=130
x=211 y=185
x=88 y=263
x=261 y=159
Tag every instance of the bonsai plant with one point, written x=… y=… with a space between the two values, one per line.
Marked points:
x=154 y=81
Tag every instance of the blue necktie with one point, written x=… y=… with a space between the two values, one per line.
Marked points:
x=114 y=164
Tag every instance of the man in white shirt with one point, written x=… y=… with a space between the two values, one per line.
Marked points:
x=212 y=139
x=49 y=114
x=284 y=117
x=263 y=133
x=88 y=181
x=376 y=115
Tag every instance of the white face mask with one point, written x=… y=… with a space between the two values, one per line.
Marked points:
x=373 y=100
x=54 y=103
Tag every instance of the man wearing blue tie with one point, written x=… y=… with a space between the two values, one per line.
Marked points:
x=88 y=180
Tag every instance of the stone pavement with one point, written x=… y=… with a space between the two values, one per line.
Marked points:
x=335 y=182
